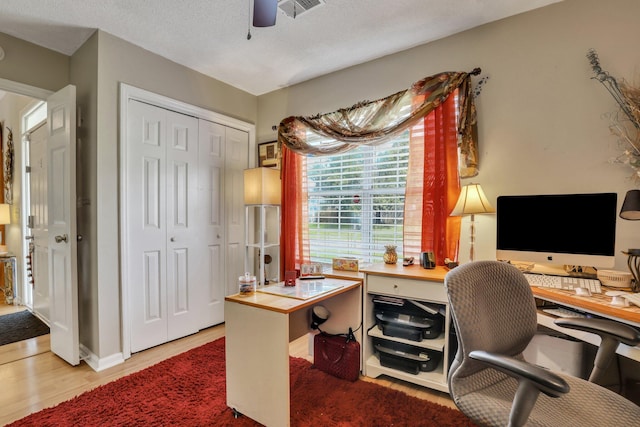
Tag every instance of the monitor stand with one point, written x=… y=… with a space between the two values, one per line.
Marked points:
x=549 y=269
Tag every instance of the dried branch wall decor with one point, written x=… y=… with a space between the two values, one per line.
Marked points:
x=8 y=168
x=625 y=123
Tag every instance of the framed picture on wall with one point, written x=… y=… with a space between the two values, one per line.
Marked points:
x=269 y=155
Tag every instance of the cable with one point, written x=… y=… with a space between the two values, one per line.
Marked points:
x=249 y=22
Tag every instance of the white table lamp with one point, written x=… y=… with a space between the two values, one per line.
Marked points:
x=472 y=201
x=262 y=186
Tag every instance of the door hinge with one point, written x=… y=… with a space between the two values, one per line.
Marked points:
x=31 y=219
x=27 y=169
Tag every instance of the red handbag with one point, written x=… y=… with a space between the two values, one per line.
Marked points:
x=336 y=355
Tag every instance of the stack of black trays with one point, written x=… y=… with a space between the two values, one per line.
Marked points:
x=407 y=319
x=413 y=321
x=405 y=357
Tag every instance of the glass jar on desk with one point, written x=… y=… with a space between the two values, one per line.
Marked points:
x=247 y=284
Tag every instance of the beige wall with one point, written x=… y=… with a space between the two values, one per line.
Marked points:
x=33 y=65
x=83 y=72
x=539 y=116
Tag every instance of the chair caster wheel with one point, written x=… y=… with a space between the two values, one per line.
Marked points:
x=236 y=414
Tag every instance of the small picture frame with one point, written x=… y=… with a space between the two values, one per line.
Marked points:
x=311 y=270
x=269 y=155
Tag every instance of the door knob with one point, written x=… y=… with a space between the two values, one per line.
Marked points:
x=63 y=238
x=173 y=239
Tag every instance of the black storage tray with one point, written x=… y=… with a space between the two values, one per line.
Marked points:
x=401 y=318
x=400 y=331
x=405 y=357
x=403 y=306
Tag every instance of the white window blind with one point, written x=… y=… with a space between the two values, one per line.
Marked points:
x=356 y=201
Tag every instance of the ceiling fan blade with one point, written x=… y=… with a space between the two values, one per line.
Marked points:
x=264 y=13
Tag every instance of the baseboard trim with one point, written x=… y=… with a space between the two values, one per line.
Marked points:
x=100 y=364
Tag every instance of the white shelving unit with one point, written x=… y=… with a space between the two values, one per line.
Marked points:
x=416 y=284
x=267 y=242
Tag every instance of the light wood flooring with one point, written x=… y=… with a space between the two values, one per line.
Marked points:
x=33 y=378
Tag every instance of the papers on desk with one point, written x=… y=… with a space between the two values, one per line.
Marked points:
x=303 y=290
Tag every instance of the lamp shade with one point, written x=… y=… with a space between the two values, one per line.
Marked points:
x=261 y=186
x=631 y=206
x=472 y=200
x=264 y=13
x=5 y=214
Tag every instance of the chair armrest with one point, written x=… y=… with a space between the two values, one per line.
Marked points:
x=602 y=327
x=531 y=379
x=543 y=379
x=612 y=333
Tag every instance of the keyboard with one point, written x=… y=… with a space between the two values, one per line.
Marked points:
x=563 y=282
x=563 y=312
x=632 y=298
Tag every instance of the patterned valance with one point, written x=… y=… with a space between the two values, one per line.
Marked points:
x=374 y=122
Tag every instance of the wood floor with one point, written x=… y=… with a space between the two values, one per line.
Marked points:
x=33 y=378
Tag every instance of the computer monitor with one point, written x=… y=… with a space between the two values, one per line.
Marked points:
x=558 y=229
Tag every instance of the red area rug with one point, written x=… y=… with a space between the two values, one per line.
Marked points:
x=189 y=390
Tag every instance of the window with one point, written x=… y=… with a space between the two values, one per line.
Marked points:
x=35 y=116
x=356 y=201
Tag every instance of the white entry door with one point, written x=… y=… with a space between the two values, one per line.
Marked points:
x=161 y=232
x=39 y=223
x=63 y=275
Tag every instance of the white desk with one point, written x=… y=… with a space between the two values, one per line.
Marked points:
x=597 y=304
x=258 y=330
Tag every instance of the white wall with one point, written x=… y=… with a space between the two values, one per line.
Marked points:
x=539 y=115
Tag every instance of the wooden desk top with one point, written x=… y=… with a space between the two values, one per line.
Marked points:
x=410 y=272
x=597 y=303
x=286 y=305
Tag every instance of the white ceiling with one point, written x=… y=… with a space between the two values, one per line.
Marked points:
x=210 y=36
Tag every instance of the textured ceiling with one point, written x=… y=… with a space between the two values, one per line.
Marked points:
x=210 y=36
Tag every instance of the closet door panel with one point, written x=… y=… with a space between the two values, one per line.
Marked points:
x=183 y=228
x=236 y=161
x=153 y=307
x=211 y=193
x=146 y=225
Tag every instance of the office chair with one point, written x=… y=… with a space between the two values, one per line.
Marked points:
x=494 y=314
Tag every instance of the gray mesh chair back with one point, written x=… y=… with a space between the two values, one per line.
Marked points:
x=494 y=314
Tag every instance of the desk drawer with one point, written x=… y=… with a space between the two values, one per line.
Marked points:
x=406 y=288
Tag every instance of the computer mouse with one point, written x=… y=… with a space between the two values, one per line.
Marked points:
x=583 y=292
x=616 y=298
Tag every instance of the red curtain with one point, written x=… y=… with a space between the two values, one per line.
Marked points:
x=294 y=238
x=433 y=186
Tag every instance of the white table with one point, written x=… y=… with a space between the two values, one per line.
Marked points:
x=258 y=330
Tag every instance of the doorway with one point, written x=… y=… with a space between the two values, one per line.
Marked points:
x=22 y=115
x=34 y=218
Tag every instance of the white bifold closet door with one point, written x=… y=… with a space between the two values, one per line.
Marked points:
x=223 y=159
x=164 y=236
